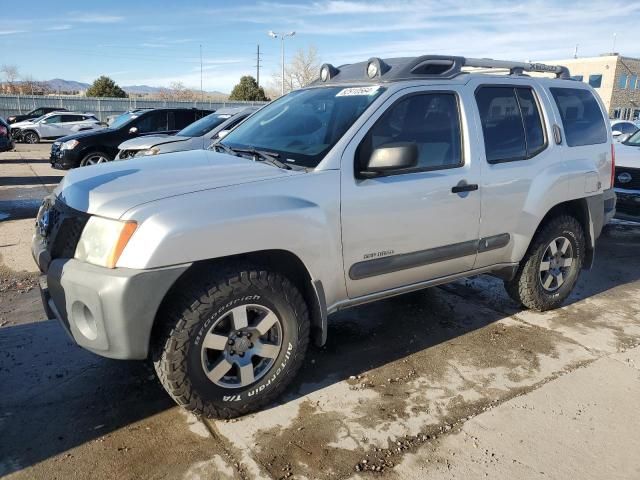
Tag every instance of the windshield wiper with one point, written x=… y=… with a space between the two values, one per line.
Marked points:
x=261 y=156
x=224 y=148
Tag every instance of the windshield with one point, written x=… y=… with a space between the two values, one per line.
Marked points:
x=122 y=119
x=204 y=125
x=633 y=140
x=304 y=125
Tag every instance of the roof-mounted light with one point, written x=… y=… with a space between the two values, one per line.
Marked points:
x=376 y=67
x=327 y=72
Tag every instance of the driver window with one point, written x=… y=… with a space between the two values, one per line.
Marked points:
x=431 y=121
x=153 y=122
x=54 y=119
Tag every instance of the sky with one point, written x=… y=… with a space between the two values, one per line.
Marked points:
x=156 y=43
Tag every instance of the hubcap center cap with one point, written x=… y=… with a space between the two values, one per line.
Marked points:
x=241 y=344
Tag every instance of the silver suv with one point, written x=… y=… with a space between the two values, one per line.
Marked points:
x=381 y=178
x=54 y=125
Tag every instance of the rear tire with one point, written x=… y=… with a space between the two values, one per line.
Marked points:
x=229 y=342
x=30 y=137
x=550 y=268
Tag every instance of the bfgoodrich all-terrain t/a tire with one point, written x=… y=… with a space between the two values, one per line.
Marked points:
x=550 y=269
x=229 y=342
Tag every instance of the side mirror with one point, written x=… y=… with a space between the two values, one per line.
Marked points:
x=391 y=157
x=616 y=133
x=222 y=133
x=133 y=130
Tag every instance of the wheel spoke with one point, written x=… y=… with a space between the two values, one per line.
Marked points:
x=219 y=370
x=214 y=341
x=266 y=350
x=239 y=315
x=544 y=266
x=559 y=279
x=266 y=323
x=553 y=247
x=567 y=262
x=564 y=246
x=547 y=281
x=246 y=374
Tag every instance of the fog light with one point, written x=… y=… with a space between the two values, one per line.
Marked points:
x=84 y=320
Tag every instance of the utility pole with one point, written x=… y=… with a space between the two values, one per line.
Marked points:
x=258 y=66
x=575 y=52
x=281 y=36
x=201 y=90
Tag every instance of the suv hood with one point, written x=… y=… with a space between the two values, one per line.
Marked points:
x=110 y=189
x=627 y=156
x=144 y=143
x=85 y=133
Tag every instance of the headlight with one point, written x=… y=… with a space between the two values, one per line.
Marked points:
x=103 y=240
x=11 y=119
x=147 y=152
x=69 y=145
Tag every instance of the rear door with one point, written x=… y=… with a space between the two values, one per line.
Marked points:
x=411 y=226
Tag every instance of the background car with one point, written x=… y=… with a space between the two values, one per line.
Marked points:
x=90 y=148
x=35 y=113
x=627 y=178
x=54 y=125
x=623 y=129
x=197 y=136
x=6 y=141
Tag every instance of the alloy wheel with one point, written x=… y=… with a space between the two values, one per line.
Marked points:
x=241 y=346
x=557 y=263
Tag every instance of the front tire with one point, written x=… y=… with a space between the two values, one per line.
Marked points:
x=94 y=158
x=228 y=343
x=30 y=137
x=551 y=266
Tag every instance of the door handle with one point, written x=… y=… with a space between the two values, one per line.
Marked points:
x=464 y=187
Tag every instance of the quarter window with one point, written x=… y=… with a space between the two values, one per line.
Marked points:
x=430 y=120
x=581 y=116
x=511 y=123
x=595 y=80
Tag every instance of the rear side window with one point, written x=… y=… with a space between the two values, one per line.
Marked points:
x=581 y=116
x=511 y=123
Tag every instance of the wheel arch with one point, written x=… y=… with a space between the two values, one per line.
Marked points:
x=282 y=261
x=586 y=212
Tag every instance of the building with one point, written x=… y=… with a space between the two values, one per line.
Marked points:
x=614 y=77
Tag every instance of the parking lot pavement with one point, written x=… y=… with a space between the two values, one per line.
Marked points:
x=450 y=382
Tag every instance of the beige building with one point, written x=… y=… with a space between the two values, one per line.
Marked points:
x=614 y=77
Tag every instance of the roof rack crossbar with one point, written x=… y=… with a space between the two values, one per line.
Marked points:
x=517 y=67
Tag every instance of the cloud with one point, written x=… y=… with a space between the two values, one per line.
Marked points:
x=95 y=18
x=12 y=32
x=57 y=28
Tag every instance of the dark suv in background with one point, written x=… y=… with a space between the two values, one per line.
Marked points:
x=6 y=142
x=90 y=148
x=35 y=113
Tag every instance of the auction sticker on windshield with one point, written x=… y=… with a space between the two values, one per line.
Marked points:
x=349 y=92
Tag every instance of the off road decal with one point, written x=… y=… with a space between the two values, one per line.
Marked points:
x=251 y=393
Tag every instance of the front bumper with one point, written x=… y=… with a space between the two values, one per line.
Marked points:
x=628 y=204
x=63 y=159
x=107 y=311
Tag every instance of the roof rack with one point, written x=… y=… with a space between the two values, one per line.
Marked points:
x=426 y=67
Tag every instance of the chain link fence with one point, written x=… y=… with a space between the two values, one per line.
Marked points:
x=101 y=107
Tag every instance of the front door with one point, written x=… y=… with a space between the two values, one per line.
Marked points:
x=416 y=225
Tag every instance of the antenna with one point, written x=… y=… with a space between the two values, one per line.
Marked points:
x=258 y=65
x=575 y=51
x=613 y=50
x=201 y=91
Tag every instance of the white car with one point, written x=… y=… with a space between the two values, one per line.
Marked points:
x=54 y=125
x=627 y=178
x=623 y=129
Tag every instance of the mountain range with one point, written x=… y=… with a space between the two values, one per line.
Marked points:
x=58 y=84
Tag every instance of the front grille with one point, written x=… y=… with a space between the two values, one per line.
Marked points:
x=634 y=173
x=16 y=133
x=65 y=228
x=55 y=151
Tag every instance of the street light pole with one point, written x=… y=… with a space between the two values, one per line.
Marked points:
x=281 y=36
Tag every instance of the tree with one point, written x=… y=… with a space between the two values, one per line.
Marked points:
x=10 y=75
x=303 y=69
x=105 y=87
x=248 y=89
